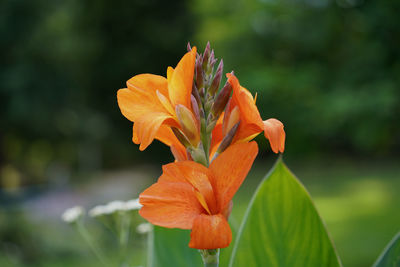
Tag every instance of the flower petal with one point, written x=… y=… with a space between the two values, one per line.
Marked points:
x=230 y=169
x=147 y=126
x=210 y=232
x=149 y=83
x=196 y=175
x=250 y=120
x=166 y=136
x=179 y=153
x=134 y=103
x=144 y=109
x=170 y=204
x=274 y=132
x=181 y=81
x=217 y=134
x=244 y=99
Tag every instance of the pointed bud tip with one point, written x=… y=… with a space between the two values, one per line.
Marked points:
x=188 y=123
x=220 y=65
x=227 y=140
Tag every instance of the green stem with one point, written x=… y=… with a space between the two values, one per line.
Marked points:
x=86 y=236
x=125 y=225
x=150 y=247
x=125 y=229
x=210 y=257
x=206 y=147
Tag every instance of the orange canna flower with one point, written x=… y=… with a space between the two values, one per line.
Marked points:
x=242 y=108
x=155 y=104
x=190 y=196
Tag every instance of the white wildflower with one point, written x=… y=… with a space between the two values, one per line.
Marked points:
x=73 y=214
x=114 y=206
x=133 y=204
x=97 y=211
x=144 y=228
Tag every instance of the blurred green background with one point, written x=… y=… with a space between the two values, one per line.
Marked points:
x=328 y=69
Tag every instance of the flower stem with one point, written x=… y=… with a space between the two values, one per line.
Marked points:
x=210 y=257
x=88 y=239
x=125 y=224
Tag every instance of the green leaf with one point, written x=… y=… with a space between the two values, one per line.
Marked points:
x=281 y=227
x=170 y=248
x=390 y=257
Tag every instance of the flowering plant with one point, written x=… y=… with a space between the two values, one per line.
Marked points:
x=210 y=131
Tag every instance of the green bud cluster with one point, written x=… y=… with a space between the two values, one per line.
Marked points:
x=208 y=102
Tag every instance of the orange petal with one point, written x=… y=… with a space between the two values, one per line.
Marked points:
x=216 y=137
x=170 y=204
x=230 y=169
x=234 y=118
x=144 y=109
x=147 y=126
x=245 y=101
x=210 y=232
x=196 y=175
x=135 y=104
x=149 y=83
x=181 y=82
x=165 y=102
x=246 y=132
x=170 y=72
x=217 y=134
x=179 y=153
x=274 y=132
x=135 y=138
x=164 y=134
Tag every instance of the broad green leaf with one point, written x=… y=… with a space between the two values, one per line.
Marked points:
x=390 y=257
x=170 y=248
x=282 y=227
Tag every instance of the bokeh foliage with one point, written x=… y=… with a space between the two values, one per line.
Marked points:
x=330 y=70
x=62 y=63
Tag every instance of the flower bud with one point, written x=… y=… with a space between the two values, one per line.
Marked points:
x=199 y=72
x=188 y=123
x=217 y=79
x=202 y=91
x=221 y=100
x=208 y=69
x=206 y=55
x=181 y=137
x=189 y=47
x=210 y=126
x=195 y=108
x=227 y=140
x=208 y=103
x=198 y=154
x=195 y=93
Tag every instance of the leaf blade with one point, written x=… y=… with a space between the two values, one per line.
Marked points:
x=282 y=227
x=170 y=248
x=390 y=256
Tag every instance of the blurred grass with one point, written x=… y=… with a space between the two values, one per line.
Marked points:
x=358 y=200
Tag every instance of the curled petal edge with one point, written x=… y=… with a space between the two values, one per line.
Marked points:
x=274 y=132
